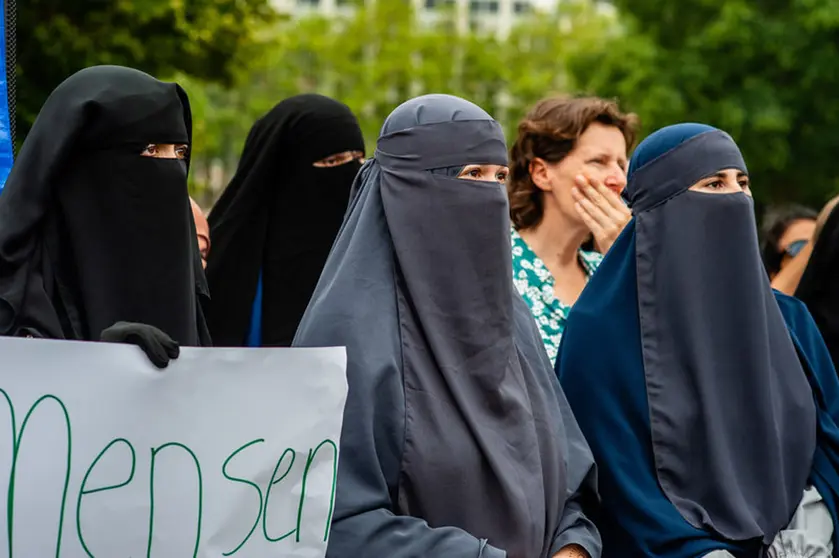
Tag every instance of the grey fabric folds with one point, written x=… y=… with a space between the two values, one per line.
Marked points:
x=457 y=439
x=731 y=411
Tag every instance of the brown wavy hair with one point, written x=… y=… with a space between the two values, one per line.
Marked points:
x=550 y=131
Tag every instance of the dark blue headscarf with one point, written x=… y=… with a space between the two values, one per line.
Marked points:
x=662 y=141
x=682 y=372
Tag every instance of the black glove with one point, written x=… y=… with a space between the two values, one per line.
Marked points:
x=159 y=347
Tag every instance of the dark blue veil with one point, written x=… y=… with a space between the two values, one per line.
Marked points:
x=709 y=406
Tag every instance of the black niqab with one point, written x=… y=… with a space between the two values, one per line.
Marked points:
x=280 y=215
x=91 y=232
x=819 y=286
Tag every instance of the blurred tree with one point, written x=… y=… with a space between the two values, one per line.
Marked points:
x=204 y=38
x=536 y=54
x=765 y=71
x=382 y=55
x=371 y=60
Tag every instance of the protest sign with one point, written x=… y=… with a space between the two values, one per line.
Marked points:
x=228 y=452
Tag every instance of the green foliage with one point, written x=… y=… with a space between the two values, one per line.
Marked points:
x=765 y=71
x=380 y=56
x=59 y=37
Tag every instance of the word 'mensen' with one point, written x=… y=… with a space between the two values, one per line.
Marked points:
x=85 y=490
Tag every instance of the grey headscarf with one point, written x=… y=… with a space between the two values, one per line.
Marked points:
x=428 y=109
x=457 y=439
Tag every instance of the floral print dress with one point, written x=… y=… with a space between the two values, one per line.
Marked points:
x=535 y=284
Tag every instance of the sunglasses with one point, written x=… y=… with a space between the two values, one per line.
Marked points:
x=795 y=248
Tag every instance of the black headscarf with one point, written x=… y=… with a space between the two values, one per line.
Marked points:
x=91 y=232
x=279 y=215
x=819 y=286
x=454 y=417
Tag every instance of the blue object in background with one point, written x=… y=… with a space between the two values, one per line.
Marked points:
x=6 y=147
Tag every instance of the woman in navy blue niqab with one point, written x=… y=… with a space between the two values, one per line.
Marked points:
x=714 y=404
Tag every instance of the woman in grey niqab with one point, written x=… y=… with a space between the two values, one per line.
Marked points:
x=457 y=440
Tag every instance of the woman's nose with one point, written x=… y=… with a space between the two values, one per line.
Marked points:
x=616 y=180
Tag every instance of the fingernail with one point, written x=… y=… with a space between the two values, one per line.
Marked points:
x=580 y=179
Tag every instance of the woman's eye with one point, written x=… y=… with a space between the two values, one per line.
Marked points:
x=716 y=185
x=334 y=160
x=151 y=149
x=501 y=177
x=475 y=173
x=181 y=151
x=744 y=184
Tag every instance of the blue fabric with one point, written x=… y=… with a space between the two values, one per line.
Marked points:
x=671 y=160
x=610 y=390
x=6 y=148
x=661 y=141
x=638 y=520
x=713 y=338
x=254 y=338
x=617 y=424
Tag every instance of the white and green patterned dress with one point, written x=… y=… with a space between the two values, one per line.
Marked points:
x=535 y=284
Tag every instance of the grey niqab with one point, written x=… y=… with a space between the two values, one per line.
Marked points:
x=457 y=439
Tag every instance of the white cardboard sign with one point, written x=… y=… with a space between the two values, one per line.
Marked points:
x=228 y=452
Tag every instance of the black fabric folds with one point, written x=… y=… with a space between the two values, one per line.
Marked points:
x=819 y=286
x=91 y=232
x=279 y=215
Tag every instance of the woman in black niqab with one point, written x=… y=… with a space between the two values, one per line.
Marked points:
x=457 y=440
x=273 y=226
x=94 y=234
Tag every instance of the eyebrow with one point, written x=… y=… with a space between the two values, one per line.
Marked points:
x=722 y=175
x=597 y=151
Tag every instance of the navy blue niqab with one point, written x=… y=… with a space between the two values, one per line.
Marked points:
x=700 y=414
